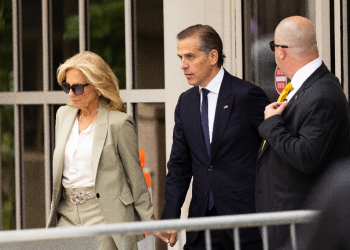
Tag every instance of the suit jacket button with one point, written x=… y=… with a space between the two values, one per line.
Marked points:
x=210 y=168
x=98 y=195
x=206 y=192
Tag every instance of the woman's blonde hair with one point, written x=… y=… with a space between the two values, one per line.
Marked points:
x=98 y=73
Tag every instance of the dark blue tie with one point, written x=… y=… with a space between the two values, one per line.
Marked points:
x=204 y=119
x=205 y=128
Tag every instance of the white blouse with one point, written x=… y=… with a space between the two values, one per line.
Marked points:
x=77 y=169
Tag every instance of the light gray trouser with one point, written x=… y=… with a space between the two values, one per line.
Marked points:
x=86 y=214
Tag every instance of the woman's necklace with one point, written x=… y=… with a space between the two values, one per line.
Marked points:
x=81 y=119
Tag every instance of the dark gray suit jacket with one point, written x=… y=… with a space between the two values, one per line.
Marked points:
x=312 y=132
x=330 y=231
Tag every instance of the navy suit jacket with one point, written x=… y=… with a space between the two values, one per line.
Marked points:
x=230 y=170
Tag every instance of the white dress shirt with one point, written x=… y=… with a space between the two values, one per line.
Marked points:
x=77 y=169
x=214 y=88
x=302 y=74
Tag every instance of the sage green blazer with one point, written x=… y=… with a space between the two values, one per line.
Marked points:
x=119 y=181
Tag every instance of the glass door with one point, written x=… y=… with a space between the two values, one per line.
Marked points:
x=259 y=22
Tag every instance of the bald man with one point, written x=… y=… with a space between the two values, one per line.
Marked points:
x=305 y=133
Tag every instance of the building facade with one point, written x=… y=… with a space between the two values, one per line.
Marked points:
x=138 y=41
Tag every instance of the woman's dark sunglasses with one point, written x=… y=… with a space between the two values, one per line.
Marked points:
x=78 y=89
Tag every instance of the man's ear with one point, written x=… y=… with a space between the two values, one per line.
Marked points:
x=213 y=56
x=281 y=53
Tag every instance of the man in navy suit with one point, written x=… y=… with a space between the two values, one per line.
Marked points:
x=215 y=141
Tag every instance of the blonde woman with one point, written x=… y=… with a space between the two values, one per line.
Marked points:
x=97 y=177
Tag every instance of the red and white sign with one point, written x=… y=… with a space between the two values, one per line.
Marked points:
x=280 y=80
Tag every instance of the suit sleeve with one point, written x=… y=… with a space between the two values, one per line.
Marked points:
x=306 y=149
x=128 y=151
x=179 y=170
x=256 y=102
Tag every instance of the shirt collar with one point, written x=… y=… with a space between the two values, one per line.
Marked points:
x=303 y=73
x=215 y=84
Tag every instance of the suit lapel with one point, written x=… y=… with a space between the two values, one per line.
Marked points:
x=62 y=139
x=195 y=119
x=101 y=128
x=222 y=114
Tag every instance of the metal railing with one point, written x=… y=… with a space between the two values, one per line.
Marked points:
x=206 y=224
